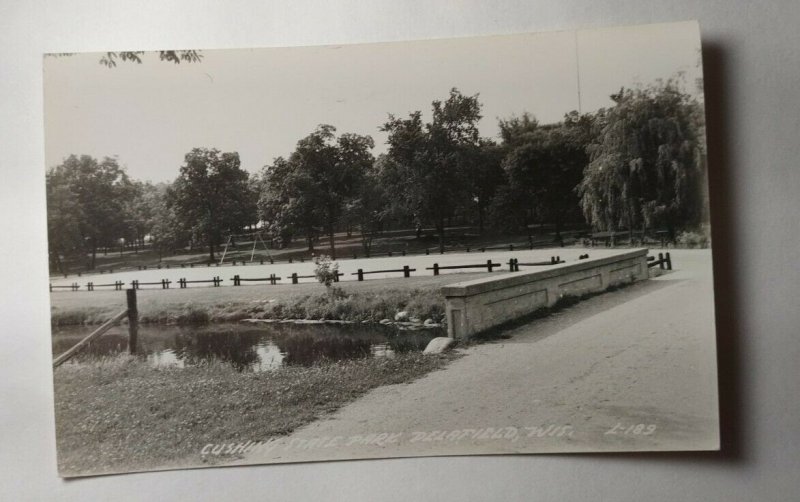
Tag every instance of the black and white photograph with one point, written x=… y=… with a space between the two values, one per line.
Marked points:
x=458 y=246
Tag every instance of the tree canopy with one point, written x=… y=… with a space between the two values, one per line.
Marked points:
x=311 y=189
x=212 y=196
x=429 y=161
x=647 y=162
x=86 y=201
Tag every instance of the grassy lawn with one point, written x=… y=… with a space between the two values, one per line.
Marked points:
x=358 y=301
x=120 y=414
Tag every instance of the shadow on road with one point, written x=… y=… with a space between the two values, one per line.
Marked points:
x=543 y=324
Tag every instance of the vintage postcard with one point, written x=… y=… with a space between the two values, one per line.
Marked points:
x=482 y=245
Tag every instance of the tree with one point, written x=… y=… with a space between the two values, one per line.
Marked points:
x=647 y=163
x=311 y=189
x=430 y=177
x=109 y=59
x=368 y=209
x=91 y=198
x=486 y=176
x=544 y=165
x=211 y=196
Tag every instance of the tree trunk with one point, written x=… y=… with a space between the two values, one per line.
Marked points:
x=558 y=233
x=211 y=248
x=331 y=242
x=440 y=229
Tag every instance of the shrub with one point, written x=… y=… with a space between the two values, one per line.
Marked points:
x=325 y=270
x=691 y=239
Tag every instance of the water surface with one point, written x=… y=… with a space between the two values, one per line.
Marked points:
x=248 y=347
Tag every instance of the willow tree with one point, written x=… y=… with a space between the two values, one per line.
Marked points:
x=647 y=163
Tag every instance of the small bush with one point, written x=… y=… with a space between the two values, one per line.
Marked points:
x=325 y=270
x=691 y=239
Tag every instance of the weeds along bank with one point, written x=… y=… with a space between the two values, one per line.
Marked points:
x=355 y=302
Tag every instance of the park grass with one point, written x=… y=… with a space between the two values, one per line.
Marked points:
x=120 y=414
x=367 y=301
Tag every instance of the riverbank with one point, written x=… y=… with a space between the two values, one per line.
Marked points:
x=369 y=301
x=120 y=414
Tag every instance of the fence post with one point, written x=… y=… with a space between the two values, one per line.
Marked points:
x=406 y=271
x=133 y=321
x=294 y=277
x=89 y=286
x=558 y=259
x=669 y=261
x=489 y=265
x=427 y=252
x=435 y=269
x=236 y=280
x=272 y=279
x=216 y=281
x=661 y=261
x=360 y=274
x=336 y=276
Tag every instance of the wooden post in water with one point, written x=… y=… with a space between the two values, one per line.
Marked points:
x=133 y=320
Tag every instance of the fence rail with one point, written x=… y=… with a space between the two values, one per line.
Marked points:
x=488 y=265
x=406 y=272
x=132 y=313
x=664 y=262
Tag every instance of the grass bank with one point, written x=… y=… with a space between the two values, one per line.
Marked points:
x=353 y=301
x=120 y=414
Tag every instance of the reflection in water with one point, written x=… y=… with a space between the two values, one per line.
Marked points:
x=249 y=347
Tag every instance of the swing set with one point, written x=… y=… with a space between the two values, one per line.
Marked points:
x=257 y=237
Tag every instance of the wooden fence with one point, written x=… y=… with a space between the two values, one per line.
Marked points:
x=132 y=313
x=664 y=261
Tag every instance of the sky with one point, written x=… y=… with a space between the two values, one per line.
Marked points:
x=260 y=102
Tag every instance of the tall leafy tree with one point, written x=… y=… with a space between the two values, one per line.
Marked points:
x=544 y=165
x=310 y=190
x=647 y=162
x=211 y=196
x=431 y=177
x=91 y=198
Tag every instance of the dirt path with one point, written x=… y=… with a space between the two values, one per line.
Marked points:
x=580 y=380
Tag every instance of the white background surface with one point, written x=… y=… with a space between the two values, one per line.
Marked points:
x=752 y=67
